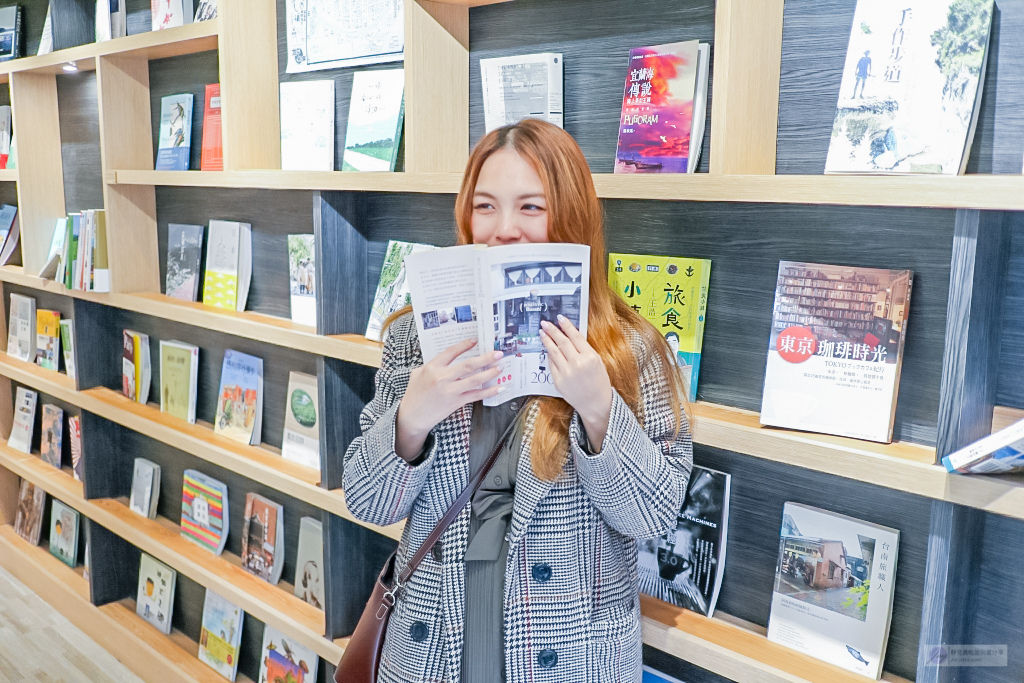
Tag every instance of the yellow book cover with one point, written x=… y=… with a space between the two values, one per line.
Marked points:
x=672 y=294
x=48 y=339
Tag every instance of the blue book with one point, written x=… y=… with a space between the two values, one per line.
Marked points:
x=175 y=133
x=655 y=676
x=240 y=399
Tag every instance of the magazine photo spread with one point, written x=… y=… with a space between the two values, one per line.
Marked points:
x=499 y=296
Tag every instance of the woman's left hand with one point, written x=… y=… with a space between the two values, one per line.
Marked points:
x=580 y=376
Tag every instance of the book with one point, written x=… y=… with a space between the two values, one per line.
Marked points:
x=46 y=37
x=5 y=110
x=67 y=339
x=136 y=368
x=309 y=562
x=375 y=114
x=179 y=376
x=207 y=9
x=651 y=675
x=240 y=399
x=24 y=426
x=301 y=440
x=325 y=34
x=685 y=566
x=64 y=533
x=51 y=442
x=98 y=277
x=21 y=328
x=155 y=598
x=48 y=339
x=302 y=278
x=75 y=433
x=911 y=87
x=111 y=20
x=184 y=260
x=28 y=520
x=175 y=132
x=520 y=87
x=1000 y=452
x=671 y=293
x=393 y=287
x=514 y=288
x=204 y=511
x=285 y=660
x=263 y=538
x=307 y=126
x=170 y=13
x=49 y=269
x=221 y=635
x=12 y=156
x=834 y=586
x=10 y=230
x=212 y=157
x=836 y=349
x=145 y=488
x=10 y=33
x=228 y=264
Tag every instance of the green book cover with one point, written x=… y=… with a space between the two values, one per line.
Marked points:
x=178 y=365
x=74 y=225
x=64 y=533
x=375 y=115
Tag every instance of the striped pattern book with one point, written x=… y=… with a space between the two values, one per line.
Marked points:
x=204 y=511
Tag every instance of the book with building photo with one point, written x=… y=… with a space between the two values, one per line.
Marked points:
x=184 y=260
x=512 y=289
x=834 y=586
x=284 y=660
x=204 y=511
x=263 y=538
x=393 y=287
x=301 y=440
x=307 y=125
x=327 y=34
x=51 y=441
x=376 y=111
x=911 y=87
x=302 y=278
x=685 y=566
x=175 y=132
x=521 y=87
x=836 y=349
x=240 y=399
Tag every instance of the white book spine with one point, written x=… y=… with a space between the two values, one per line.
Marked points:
x=968 y=456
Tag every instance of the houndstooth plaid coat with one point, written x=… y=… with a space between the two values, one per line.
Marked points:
x=572 y=613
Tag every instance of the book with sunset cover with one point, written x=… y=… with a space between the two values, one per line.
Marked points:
x=204 y=511
x=663 y=109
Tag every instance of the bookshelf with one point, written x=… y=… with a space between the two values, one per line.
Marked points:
x=758 y=200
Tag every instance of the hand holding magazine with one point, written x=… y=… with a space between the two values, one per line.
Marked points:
x=499 y=296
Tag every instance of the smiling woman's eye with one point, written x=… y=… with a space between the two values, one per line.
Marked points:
x=482 y=205
x=533 y=207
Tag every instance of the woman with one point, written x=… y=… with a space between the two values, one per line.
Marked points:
x=536 y=580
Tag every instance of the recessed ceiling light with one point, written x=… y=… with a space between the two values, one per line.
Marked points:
x=70 y=67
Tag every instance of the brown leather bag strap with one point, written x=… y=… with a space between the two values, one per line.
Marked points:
x=456 y=507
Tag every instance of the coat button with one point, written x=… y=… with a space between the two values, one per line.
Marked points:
x=418 y=631
x=437 y=552
x=513 y=406
x=541 y=572
x=547 y=659
x=497 y=481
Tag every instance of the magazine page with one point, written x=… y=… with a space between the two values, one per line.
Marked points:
x=443 y=288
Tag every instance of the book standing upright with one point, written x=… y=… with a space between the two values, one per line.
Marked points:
x=175 y=132
x=64 y=533
x=228 y=264
x=220 y=638
x=375 y=115
x=301 y=440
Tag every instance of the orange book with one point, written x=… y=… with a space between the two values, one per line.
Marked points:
x=213 y=147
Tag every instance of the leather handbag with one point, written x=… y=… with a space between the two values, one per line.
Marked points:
x=361 y=660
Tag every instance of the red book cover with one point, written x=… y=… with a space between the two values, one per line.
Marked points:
x=213 y=147
x=657 y=109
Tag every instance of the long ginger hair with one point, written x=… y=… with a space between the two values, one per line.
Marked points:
x=574 y=215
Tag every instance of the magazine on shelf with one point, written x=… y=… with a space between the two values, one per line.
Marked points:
x=11 y=46
x=48 y=339
x=64 y=533
x=240 y=399
x=1000 y=452
x=67 y=342
x=307 y=125
x=302 y=278
x=834 y=586
x=212 y=155
x=51 y=441
x=286 y=661
x=327 y=34
x=28 y=520
x=301 y=440
x=228 y=271
x=21 y=328
x=184 y=260
x=136 y=366
x=512 y=289
x=520 y=87
x=220 y=638
x=155 y=598
x=393 y=287
x=204 y=511
x=375 y=114
x=175 y=132
x=24 y=426
x=75 y=436
x=309 y=562
x=263 y=538
x=145 y=488
x=179 y=376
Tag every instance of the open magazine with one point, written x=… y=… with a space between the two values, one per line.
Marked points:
x=519 y=285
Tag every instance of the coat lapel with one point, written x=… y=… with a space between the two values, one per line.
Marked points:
x=529 y=489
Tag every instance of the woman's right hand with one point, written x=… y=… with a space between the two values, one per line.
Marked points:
x=439 y=388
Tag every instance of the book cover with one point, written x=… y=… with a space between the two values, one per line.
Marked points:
x=170 y=13
x=5 y=110
x=301 y=441
x=240 y=399
x=393 y=287
x=184 y=260
x=136 y=367
x=228 y=245
x=48 y=339
x=75 y=434
x=375 y=114
x=10 y=253
x=175 y=132
x=836 y=349
x=302 y=278
x=179 y=375
x=100 y=271
x=1002 y=451
x=657 y=109
x=221 y=635
x=155 y=598
x=263 y=538
x=46 y=37
x=24 y=426
x=651 y=675
x=309 y=562
x=911 y=87
x=49 y=270
x=67 y=338
x=685 y=566
x=834 y=586
x=285 y=660
x=307 y=126
x=21 y=328
x=521 y=87
x=331 y=35
x=672 y=294
x=145 y=488
x=10 y=33
x=51 y=441
x=64 y=533
x=28 y=520
x=204 y=511
x=8 y=217
x=207 y=9
x=212 y=158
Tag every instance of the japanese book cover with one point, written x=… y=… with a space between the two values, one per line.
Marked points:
x=52 y=439
x=657 y=109
x=21 y=341
x=48 y=339
x=175 y=132
x=375 y=115
x=301 y=440
x=24 y=426
x=911 y=88
x=179 y=375
x=836 y=349
x=64 y=533
x=136 y=367
x=228 y=264
x=685 y=566
x=834 y=586
x=184 y=260
x=204 y=511
x=155 y=598
x=220 y=638
x=145 y=488
x=240 y=400
x=67 y=339
x=28 y=520
x=263 y=538
x=302 y=278
x=672 y=294
x=393 y=287
x=75 y=432
x=285 y=660
x=521 y=87
x=307 y=126
x=309 y=562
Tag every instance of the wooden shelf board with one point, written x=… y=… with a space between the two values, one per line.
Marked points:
x=182 y=40
x=1003 y=417
x=435 y=183
x=735 y=649
x=253 y=462
x=8 y=175
x=471 y=3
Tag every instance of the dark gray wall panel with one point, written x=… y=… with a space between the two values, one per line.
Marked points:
x=677 y=668
x=80 y=141
x=1010 y=391
x=595 y=37
x=178 y=75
